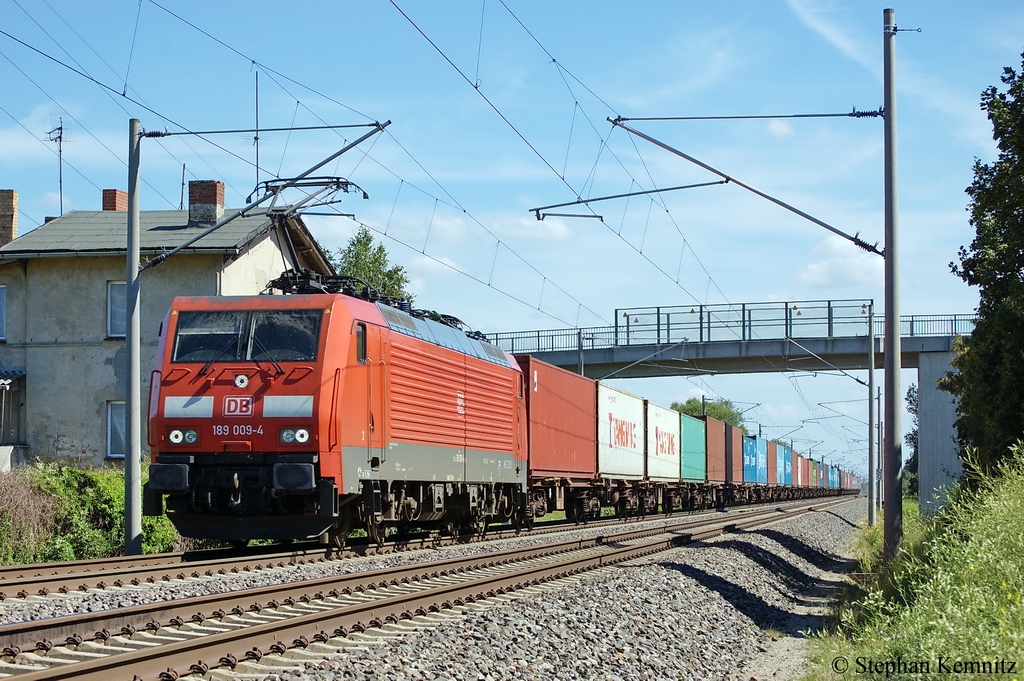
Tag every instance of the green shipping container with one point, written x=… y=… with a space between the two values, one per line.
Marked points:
x=694 y=444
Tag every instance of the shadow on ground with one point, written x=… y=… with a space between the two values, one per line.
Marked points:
x=802 y=591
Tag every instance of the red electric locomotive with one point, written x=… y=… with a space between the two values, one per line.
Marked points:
x=296 y=416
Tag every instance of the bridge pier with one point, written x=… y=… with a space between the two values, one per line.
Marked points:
x=937 y=460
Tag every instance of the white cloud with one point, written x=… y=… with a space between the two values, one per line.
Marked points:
x=779 y=129
x=713 y=50
x=829 y=21
x=840 y=263
x=821 y=16
x=528 y=227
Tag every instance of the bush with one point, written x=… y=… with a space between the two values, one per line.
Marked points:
x=90 y=507
x=54 y=512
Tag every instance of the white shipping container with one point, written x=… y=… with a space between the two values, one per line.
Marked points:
x=663 y=442
x=620 y=434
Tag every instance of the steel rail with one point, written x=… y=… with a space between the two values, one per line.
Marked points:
x=179 y=655
x=86 y=625
x=40 y=579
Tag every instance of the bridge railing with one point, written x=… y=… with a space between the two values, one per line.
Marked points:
x=734 y=322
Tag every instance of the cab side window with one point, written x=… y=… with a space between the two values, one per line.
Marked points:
x=361 y=343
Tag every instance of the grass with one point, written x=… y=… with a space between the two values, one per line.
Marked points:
x=954 y=596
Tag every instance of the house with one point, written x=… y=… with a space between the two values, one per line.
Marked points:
x=62 y=309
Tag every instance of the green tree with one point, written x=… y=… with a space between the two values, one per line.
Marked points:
x=721 y=409
x=362 y=258
x=989 y=366
x=910 y=476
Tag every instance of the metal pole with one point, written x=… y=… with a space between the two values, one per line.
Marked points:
x=872 y=479
x=132 y=411
x=579 y=346
x=880 y=492
x=893 y=447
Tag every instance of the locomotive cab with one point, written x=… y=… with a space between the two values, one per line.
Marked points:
x=235 y=430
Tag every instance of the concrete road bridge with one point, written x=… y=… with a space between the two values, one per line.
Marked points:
x=815 y=335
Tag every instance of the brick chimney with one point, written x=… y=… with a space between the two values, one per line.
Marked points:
x=205 y=200
x=115 y=199
x=8 y=215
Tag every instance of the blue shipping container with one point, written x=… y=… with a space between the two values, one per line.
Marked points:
x=762 y=460
x=780 y=464
x=749 y=460
x=788 y=453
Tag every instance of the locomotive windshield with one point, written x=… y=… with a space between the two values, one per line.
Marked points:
x=247 y=335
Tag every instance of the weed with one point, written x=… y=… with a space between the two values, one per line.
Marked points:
x=955 y=593
x=26 y=520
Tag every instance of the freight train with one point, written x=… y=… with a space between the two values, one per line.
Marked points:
x=327 y=408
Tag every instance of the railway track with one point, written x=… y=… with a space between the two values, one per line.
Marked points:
x=287 y=623
x=41 y=579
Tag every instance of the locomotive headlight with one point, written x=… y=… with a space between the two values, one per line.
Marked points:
x=179 y=436
x=294 y=435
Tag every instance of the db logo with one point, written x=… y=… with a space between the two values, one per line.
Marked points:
x=238 y=406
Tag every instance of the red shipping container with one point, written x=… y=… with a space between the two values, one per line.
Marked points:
x=716 y=449
x=561 y=421
x=733 y=454
x=773 y=467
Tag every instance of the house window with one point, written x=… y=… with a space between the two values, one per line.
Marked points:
x=12 y=387
x=116 y=301
x=115 y=430
x=3 y=313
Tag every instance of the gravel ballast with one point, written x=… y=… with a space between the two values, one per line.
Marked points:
x=709 y=610
x=704 y=611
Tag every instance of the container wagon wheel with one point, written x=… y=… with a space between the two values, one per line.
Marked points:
x=373 y=531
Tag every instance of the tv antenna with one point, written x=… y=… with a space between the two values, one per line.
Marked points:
x=256 y=133
x=57 y=135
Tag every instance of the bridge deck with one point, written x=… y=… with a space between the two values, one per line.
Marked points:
x=739 y=338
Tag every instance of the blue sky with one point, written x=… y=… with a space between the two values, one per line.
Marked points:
x=500 y=107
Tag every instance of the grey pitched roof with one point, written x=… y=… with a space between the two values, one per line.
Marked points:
x=98 y=232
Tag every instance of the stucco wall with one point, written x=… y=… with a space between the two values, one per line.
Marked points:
x=256 y=266
x=72 y=368
x=57 y=331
